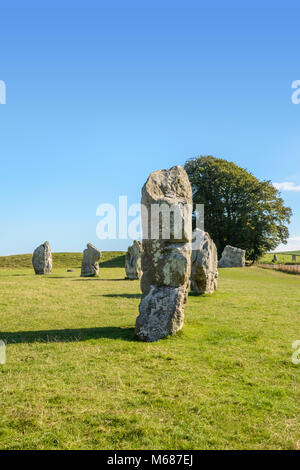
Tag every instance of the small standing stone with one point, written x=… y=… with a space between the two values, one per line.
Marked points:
x=42 y=259
x=166 y=260
x=232 y=257
x=90 y=264
x=204 y=269
x=274 y=259
x=133 y=261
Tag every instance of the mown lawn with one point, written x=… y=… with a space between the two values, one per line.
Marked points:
x=76 y=378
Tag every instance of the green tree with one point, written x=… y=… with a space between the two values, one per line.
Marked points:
x=239 y=209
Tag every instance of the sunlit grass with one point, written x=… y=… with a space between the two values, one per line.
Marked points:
x=282 y=258
x=76 y=378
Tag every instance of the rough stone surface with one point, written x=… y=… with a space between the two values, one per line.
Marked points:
x=133 y=261
x=274 y=259
x=166 y=261
x=90 y=265
x=232 y=257
x=204 y=264
x=42 y=259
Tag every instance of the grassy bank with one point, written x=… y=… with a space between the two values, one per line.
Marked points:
x=282 y=258
x=63 y=260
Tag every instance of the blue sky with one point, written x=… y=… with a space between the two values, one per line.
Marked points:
x=99 y=94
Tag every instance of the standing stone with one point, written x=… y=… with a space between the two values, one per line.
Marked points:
x=204 y=268
x=90 y=265
x=133 y=261
x=42 y=259
x=232 y=257
x=294 y=258
x=274 y=259
x=166 y=258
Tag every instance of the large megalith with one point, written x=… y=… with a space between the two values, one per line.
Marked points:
x=166 y=258
x=204 y=264
x=90 y=261
x=232 y=257
x=42 y=259
x=133 y=261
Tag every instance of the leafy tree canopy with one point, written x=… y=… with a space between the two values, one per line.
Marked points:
x=239 y=209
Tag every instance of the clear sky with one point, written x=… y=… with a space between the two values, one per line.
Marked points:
x=101 y=93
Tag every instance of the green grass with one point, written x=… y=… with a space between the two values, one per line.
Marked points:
x=76 y=378
x=108 y=259
x=282 y=258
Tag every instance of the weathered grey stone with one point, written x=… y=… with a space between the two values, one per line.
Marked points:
x=232 y=257
x=90 y=265
x=274 y=259
x=42 y=259
x=204 y=264
x=166 y=260
x=133 y=261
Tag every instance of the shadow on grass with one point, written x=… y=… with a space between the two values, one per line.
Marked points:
x=115 y=262
x=63 y=336
x=126 y=296
x=96 y=279
x=194 y=294
x=18 y=275
x=56 y=277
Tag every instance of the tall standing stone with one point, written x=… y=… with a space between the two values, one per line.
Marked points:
x=166 y=258
x=204 y=264
x=232 y=257
x=133 y=261
x=90 y=261
x=42 y=259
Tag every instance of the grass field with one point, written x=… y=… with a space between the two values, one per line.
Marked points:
x=282 y=258
x=76 y=378
x=109 y=259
